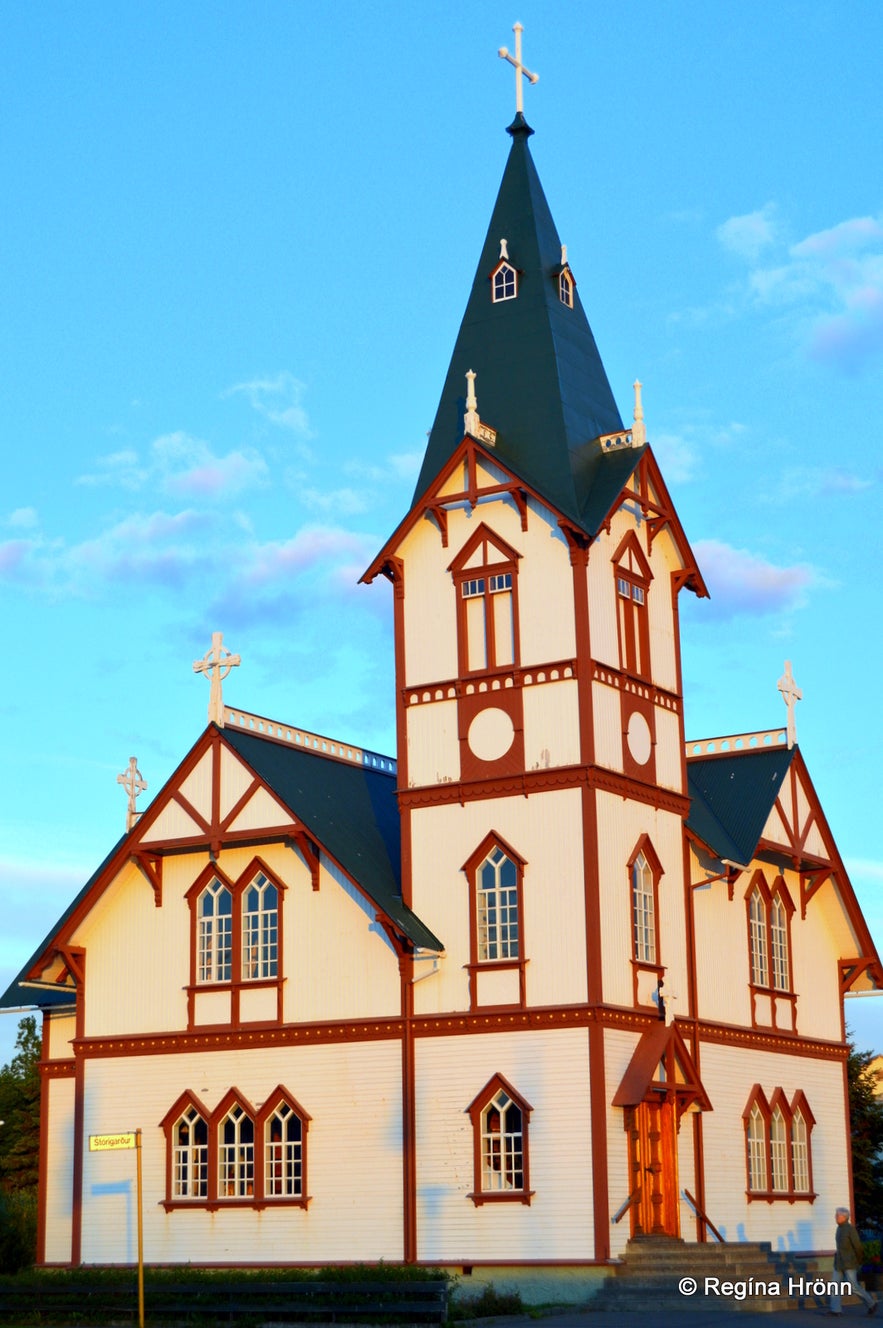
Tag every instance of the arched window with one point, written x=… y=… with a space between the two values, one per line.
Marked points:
x=283 y=1136
x=565 y=288
x=757 y=917
x=756 y=1135
x=632 y=577
x=190 y=1155
x=485 y=574
x=643 y=910
x=504 y=283
x=779 y=1150
x=215 y=935
x=779 y=944
x=500 y=1119
x=800 y=1153
x=236 y=1154
x=260 y=929
x=497 y=907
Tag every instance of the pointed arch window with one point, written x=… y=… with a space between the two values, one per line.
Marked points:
x=769 y=934
x=778 y=1152
x=485 y=574
x=644 y=875
x=500 y=1122
x=504 y=283
x=565 y=287
x=632 y=578
x=215 y=939
x=260 y=928
x=495 y=873
x=236 y=1153
x=190 y=1154
x=282 y=1128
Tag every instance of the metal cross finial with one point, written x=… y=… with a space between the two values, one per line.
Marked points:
x=134 y=783
x=519 y=67
x=216 y=664
x=791 y=694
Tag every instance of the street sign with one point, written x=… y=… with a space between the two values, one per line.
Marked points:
x=108 y=1143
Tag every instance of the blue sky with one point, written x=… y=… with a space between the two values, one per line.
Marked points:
x=237 y=243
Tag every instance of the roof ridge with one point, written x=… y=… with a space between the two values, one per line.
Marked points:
x=317 y=744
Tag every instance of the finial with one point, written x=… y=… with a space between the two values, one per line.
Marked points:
x=520 y=69
x=470 y=419
x=133 y=782
x=216 y=664
x=504 y=249
x=639 y=433
x=564 y=255
x=791 y=694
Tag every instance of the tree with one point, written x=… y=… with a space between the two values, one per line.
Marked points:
x=20 y=1112
x=866 y=1124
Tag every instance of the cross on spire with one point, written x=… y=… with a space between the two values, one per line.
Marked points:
x=519 y=68
x=134 y=783
x=216 y=664
x=791 y=694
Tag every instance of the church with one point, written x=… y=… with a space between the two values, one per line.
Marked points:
x=552 y=975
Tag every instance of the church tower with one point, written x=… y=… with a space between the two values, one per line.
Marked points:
x=541 y=769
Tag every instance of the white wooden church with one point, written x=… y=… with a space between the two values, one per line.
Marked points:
x=551 y=977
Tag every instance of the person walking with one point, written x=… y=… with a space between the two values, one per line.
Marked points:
x=847 y=1261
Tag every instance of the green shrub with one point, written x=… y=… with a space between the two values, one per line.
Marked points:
x=18 y=1230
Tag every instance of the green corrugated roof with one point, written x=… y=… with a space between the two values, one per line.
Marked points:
x=732 y=796
x=540 y=381
x=351 y=810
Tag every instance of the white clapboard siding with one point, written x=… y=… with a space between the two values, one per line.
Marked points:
x=608 y=725
x=722 y=970
x=620 y=826
x=197 y=787
x=58 y=1162
x=235 y=779
x=353 y=1094
x=669 y=749
x=551 y=725
x=433 y=745
x=729 y=1074
x=550 y=1070
x=58 y=1030
x=546 y=831
x=430 y=607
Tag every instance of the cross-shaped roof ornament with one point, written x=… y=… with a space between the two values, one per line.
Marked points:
x=519 y=68
x=791 y=694
x=134 y=783
x=216 y=664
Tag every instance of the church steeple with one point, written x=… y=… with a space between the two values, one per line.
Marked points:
x=540 y=379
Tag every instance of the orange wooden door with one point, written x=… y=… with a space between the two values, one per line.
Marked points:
x=653 y=1165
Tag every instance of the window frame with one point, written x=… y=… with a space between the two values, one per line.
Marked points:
x=237 y=981
x=644 y=848
x=632 y=578
x=500 y=276
x=485 y=558
x=472 y=868
x=477 y=1110
x=248 y=1192
x=778 y=1180
x=566 y=287
x=760 y=902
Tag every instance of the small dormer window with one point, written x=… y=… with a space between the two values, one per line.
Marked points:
x=565 y=288
x=504 y=285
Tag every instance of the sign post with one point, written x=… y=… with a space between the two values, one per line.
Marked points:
x=112 y=1143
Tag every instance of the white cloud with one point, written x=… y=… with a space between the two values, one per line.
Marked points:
x=750 y=234
x=742 y=582
x=830 y=283
x=279 y=399
x=23 y=518
x=677 y=459
x=183 y=467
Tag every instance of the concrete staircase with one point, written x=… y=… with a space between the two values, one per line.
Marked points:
x=654 y=1266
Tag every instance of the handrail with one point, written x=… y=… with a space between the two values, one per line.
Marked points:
x=621 y=1211
x=703 y=1217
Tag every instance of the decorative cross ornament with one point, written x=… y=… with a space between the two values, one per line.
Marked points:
x=519 y=67
x=134 y=783
x=791 y=694
x=216 y=664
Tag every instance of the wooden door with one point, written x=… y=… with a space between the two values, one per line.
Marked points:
x=653 y=1168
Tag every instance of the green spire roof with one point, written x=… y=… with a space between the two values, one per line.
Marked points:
x=540 y=381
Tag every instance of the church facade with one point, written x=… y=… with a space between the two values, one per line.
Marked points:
x=550 y=977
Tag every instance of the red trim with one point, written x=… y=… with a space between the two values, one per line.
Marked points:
x=645 y=846
x=598 y=1115
x=544 y=781
x=475 y=1110
x=409 y=1113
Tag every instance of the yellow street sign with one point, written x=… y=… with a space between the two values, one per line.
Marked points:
x=107 y=1143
